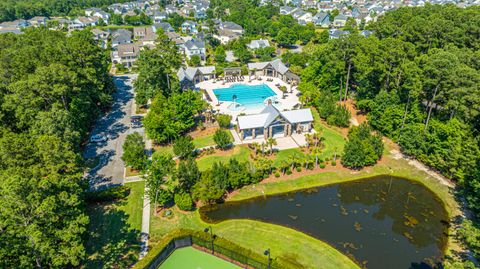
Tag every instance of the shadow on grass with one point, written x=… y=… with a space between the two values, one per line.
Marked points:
x=111 y=242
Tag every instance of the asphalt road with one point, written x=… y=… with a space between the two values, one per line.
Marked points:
x=116 y=125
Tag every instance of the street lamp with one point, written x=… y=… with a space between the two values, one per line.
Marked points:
x=267 y=253
x=212 y=236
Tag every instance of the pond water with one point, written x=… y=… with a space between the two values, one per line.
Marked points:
x=382 y=222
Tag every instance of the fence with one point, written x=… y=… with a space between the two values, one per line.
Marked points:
x=206 y=245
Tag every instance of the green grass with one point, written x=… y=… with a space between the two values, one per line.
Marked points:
x=190 y=258
x=204 y=141
x=284 y=155
x=114 y=229
x=241 y=153
x=164 y=149
x=207 y=140
x=334 y=141
x=301 y=249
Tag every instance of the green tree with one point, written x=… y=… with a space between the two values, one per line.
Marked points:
x=222 y=139
x=363 y=148
x=286 y=37
x=195 y=60
x=220 y=54
x=157 y=182
x=183 y=147
x=187 y=175
x=183 y=201
x=205 y=190
x=134 y=151
x=224 y=120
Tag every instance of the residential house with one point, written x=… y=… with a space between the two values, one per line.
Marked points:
x=190 y=76
x=177 y=39
x=121 y=36
x=336 y=33
x=90 y=11
x=38 y=21
x=189 y=27
x=165 y=26
x=14 y=24
x=82 y=22
x=126 y=54
x=230 y=26
x=170 y=9
x=96 y=12
x=141 y=32
x=340 y=20
x=4 y=30
x=194 y=47
x=271 y=123
x=273 y=68
x=258 y=44
x=159 y=16
x=101 y=37
x=226 y=36
x=321 y=19
x=302 y=17
x=287 y=10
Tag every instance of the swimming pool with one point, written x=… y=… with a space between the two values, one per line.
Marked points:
x=250 y=96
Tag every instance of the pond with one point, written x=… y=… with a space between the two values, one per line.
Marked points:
x=381 y=222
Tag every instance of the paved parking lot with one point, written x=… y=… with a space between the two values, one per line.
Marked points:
x=115 y=125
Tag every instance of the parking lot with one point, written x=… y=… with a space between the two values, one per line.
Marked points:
x=108 y=167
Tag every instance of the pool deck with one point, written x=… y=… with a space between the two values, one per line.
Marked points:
x=288 y=103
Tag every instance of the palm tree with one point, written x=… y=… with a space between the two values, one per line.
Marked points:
x=308 y=139
x=255 y=146
x=263 y=148
x=293 y=160
x=316 y=151
x=271 y=142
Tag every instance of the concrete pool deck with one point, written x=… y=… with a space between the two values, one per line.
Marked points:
x=291 y=99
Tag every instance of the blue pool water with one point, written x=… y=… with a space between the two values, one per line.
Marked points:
x=250 y=96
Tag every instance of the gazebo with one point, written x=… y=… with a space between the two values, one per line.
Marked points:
x=232 y=71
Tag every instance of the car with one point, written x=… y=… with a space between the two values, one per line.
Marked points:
x=98 y=138
x=136 y=124
x=136 y=118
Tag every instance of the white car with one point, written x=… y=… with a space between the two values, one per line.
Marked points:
x=98 y=138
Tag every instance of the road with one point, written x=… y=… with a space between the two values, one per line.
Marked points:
x=116 y=124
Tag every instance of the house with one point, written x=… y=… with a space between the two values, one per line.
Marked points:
x=177 y=39
x=159 y=16
x=271 y=122
x=321 y=19
x=340 y=20
x=141 y=32
x=14 y=24
x=366 y=33
x=258 y=44
x=82 y=22
x=287 y=10
x=302 y=17
x=4 y=30
x=126 y=54
x=101 y=37
x=165 y=26
x=230 y=26
x=336 y=33
x=190 y=76
x=273 y=68
x=38 y=21
x=226 y=36
x=121 y=36
x=189 y=27
x=170 y=9
x=90 y=11
x=194 y=47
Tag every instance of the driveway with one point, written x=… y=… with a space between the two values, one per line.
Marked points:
x=115 y=124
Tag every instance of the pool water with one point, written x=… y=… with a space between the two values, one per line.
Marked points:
x=249 y=96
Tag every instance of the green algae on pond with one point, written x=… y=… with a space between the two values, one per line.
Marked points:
x=383 y=222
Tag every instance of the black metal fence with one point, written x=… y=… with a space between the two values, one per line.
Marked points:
x=226 y=253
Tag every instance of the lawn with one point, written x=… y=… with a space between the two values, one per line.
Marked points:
x=206 y=140
x=114 y=230
x=190 y=258
x=284 y=156
x=301 y=249
x=241 y=153
x=334 y=141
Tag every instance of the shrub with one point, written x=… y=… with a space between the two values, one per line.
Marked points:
x=288 y=172
x=299 y=169
x=224 y=120
x=222 y=139
x=322 y=165
x=334 y=163
x=183 y=147
x=183 y=201
x=277 y=174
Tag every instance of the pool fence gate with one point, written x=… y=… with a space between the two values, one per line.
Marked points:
x=206 y=246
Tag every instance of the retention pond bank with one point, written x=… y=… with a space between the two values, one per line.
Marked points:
x=382 y=222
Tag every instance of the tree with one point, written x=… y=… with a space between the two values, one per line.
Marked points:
x=271 y=142
x=195 y=60
x=205 y=190
x=159 y=168
x=286 y=37
x=183 y=147
x=134 y=151
x=222 y=139
x=187 y=175
x=220 y=54
x=156 y=70
x=363 y=148
x=224 y=120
